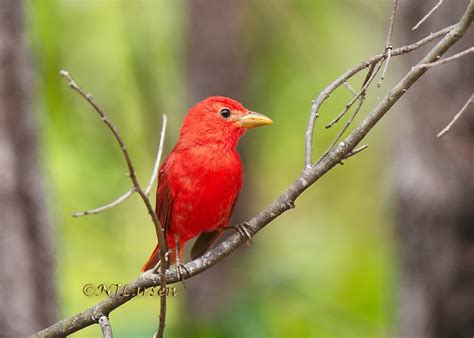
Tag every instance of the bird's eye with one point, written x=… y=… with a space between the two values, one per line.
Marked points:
x=225 y=113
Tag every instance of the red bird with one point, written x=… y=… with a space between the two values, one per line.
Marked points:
x=202 y=176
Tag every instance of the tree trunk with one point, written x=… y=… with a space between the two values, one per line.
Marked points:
x=435 y=189
x=26 y=279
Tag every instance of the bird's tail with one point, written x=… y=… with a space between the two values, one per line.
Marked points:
x=155 y=258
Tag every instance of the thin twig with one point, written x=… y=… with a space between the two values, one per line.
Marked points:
x=434 y=9
x=356 y=151
x=326 y=92
x=389 y=55
x=105 y=327
x=368 y=76
x=456 y=117
x=422 y=42
x=104 y=207
x=351 y=89
x=449 y=59
x=342 y=131
x=391 y=22
x=352 y=153
x=360 y=95
x=136 y=185
x=283 y=203
x=388 y=41
x=132 y=189
x=158 y=156
x=367 y=83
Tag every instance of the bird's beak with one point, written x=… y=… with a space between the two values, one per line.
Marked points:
x=252 y=120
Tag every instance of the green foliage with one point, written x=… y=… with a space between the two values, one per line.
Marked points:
x=325 y=269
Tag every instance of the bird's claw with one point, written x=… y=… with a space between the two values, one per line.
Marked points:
x=242 y=229
x=180 y=266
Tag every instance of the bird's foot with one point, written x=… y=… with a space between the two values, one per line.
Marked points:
x=180 y=266
x=242 y=229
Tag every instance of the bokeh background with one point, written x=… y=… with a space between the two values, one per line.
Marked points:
x=328 y=268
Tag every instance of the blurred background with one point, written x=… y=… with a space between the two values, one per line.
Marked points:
x=382 y=246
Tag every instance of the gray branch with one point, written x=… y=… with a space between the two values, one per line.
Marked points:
x=456 y=117
x=105 y=327
x=434 y=9
x=350 y=73
x=309 y=176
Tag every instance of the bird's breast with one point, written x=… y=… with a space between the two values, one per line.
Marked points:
x=208 y=182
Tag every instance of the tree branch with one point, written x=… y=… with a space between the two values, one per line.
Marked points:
x=350 y=73
x=388 y=41
x=350 y=88
x=434 y=9
x=358 y=96
x=105 y=327
x=158 y=156
x=105 y=207
x=132 y=189
x=356 y=151
x=374 y=69
x=309 y=176
x=449 y=59
x=391 y=22
x=456 y=117
x=137 y=187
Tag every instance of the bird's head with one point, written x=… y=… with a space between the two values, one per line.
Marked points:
x=219 y=119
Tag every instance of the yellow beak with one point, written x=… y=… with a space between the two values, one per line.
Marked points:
x=252 y=120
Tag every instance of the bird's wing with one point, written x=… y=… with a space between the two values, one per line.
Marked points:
x=164 y=200
x=207 y=240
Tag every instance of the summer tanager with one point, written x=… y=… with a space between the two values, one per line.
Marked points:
x=202 y=176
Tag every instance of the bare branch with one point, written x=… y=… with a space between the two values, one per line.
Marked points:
x=360 y=95
x=132 y=190
x=348 y=86
x=356 y=151
x=388 y=41
x=449 y=59
x=434 y=9
x=105 y=207
x=370 y=77
x=137 y=188
x=285 y=202
x=391 y=21
x=105 y=327
x=158 y=156
x=350 y=73
x=456 y=117
x=389 y=55
x=353 y=153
